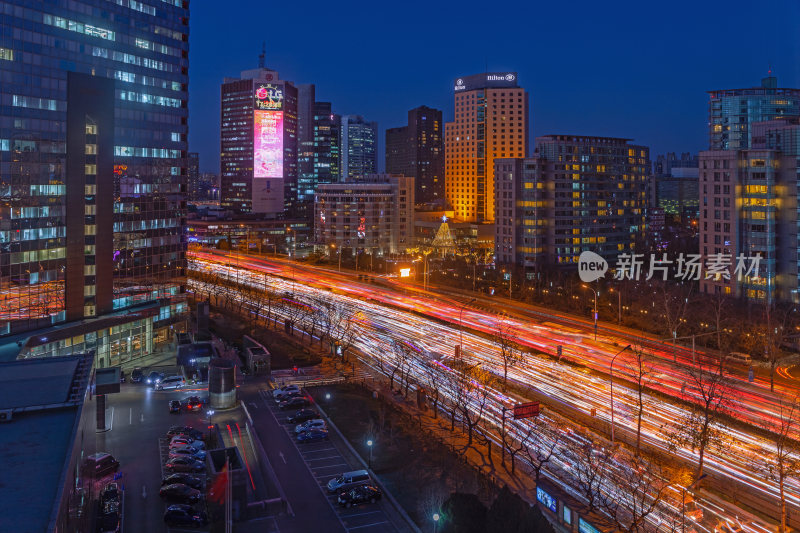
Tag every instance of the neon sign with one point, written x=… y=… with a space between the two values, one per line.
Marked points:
x=268 y=144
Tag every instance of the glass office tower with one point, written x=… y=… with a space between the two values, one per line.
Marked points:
x=113 y=249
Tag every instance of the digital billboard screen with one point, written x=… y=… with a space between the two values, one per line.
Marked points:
x=268 y=144
x=269 y=97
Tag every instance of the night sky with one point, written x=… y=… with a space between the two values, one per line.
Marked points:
x=624 y=68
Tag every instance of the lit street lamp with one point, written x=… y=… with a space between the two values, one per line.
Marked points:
x=369 y=443
x=595 y=309
x=435 y=522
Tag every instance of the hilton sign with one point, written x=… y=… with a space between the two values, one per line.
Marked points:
x=487 y=80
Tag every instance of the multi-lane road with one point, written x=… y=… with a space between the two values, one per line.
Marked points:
x=433 y=323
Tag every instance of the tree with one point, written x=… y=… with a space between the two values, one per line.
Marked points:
x=641 y=486
x=640 y=367
x=782 y=462
x=539 y=441
x=508 y=342
x=473 y=386
x=432 y=375
x=709 y=393
x=675 y=299
x=589 y=462
x=463 y=513
x=511 y=514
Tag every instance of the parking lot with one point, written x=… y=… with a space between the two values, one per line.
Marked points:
x=324 y=461
x=139 y=418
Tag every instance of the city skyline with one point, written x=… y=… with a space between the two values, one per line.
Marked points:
x=645 y=75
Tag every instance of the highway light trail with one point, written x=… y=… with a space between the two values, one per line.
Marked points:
x=382 y=324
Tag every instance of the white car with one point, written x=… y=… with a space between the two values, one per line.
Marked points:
x=180 y=441
x=285 y=392
x=317 y=423
x=173 y=382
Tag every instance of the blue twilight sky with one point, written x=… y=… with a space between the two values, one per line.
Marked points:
x=637 y=69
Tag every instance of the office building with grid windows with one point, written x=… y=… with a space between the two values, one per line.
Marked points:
x=93 y=140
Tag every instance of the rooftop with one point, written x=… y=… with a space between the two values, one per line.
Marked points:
x=36 y=444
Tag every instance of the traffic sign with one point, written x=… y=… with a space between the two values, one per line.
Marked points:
x=526 y=410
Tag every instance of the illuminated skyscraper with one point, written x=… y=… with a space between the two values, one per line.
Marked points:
x=93 y=175
x=732 y=111
x=359 y=147
x=417 y=150
x=491 y=121
x=258 y=144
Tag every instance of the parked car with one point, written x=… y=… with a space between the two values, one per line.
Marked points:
x=193 y=403
x=188 y=451
x=100 y=464
x=283 y=395
x=154 y=377
x=174 y=406
x=187 y=431
x=359 y=495
x=348 y=480
x=312 y=435
x=302 y=415
x=110 y=496
x=286 y=392
x=184 y=515
x=184 y=464
x=294 y=403
x=137 y=375
x=170 y=383
x=187 y=479
x=180 y=493
x=180 y=442
x=317 y=423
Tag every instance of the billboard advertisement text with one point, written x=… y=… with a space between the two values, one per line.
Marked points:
x=268 y=144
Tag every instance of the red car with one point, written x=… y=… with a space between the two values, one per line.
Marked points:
x=193 y=403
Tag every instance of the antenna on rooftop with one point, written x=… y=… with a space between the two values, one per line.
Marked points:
x=262 y=55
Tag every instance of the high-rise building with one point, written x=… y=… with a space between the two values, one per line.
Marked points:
x=258 y=144
x=373 y=212
x=491 y=121
x=319 y=156
x=193 y=175
x=732 y=111
x=359 y=147
x=305 y=146
x=576 y=193
x=327 y=144
x=93 y=175
x=749 y=208
x=675 y=187
x=417 y=150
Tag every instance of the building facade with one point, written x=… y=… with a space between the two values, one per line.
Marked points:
x=359 y=147
x=491 y=121
x=193 y=176
x=374 y=212
x=732 y=111
x=417 y=150
x=258 y=144
x=576 y=193
x=749 y=208
x=321 y=156
x=100 y=125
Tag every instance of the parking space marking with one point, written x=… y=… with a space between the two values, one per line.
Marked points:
x=324 y=458
x=360 y=514
x=368 y=525
x=328 y=466
x=322 y=450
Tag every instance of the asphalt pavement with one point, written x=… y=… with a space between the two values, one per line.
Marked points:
x=140 y=417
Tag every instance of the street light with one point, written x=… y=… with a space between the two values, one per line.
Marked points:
x=612 y=391
x=435 y=521
x=340 y=256
x=461 y=327
x=595 y=309
x=369 y=443
x=619 y=305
